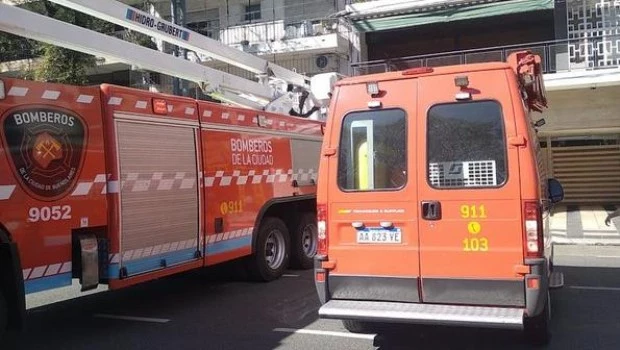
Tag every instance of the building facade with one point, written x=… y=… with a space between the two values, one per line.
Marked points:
x=578 y=40
x=301 y=35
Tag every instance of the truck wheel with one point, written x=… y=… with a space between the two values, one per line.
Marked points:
x=271 y=255
x=4 y=314
x=537 y=328
x=304 y=242
x=357 y=326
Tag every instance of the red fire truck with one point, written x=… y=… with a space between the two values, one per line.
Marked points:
x=119 y=186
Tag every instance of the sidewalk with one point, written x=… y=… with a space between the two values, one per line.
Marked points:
x=584 y=225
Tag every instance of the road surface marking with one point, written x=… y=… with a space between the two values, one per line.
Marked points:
x=131 y=318
x=289 y=275
x=616 y=289
x=327 y=333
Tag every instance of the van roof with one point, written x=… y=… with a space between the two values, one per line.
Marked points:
x=454 y=69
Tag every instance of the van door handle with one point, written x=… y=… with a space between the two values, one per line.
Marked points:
x=431 y=210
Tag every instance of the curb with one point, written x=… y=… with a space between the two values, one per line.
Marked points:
x=586 y=242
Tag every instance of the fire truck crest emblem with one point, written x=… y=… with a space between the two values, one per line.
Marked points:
x=46 y=149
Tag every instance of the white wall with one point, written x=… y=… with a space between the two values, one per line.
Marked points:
x=232 y=12
x=305 y=64
x=582 y=109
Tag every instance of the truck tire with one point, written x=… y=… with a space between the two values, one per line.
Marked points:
x=4 y=314
x=536 y=328
x=272 y=251
x=304 y=242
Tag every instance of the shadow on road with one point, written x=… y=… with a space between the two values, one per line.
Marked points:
x=214 y=308
x=585 y=316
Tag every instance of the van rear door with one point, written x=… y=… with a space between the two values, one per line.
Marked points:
x=372 y=211
x=471 y=231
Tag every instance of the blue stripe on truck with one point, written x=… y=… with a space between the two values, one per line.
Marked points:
x=152 y=262
x=49 y=282
x=228 y=245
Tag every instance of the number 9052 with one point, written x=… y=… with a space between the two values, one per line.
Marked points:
x=54 y=213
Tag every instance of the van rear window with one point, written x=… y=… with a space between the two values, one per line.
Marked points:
x=372 y=152
x=466 y=145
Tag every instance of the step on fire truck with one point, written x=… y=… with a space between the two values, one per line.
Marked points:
x=117 y=186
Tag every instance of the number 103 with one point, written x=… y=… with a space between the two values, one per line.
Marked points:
x=475 y=244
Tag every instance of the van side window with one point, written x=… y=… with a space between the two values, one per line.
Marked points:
x=372 y=152
x=466 y=145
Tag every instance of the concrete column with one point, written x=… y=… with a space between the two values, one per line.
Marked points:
x=559 y=57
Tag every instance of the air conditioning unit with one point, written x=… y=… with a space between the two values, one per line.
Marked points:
x=326 y=62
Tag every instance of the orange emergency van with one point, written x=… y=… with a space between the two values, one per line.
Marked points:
x=433 y=201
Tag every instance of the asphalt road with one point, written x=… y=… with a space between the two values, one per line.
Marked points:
x=207 y=310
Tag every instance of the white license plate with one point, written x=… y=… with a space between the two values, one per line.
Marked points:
x=379 y=236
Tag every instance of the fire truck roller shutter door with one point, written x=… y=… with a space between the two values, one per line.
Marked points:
x=157 y=167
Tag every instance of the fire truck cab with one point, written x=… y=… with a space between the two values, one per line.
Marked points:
x=433 y=201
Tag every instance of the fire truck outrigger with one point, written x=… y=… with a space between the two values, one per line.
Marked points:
x=119 y=186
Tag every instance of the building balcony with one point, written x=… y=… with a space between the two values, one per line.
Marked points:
x=588 y=58
x=278 y=37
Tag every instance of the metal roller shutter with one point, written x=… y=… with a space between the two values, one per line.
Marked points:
x=589 y=174
x=159 y=195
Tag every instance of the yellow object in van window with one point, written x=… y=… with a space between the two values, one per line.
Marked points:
x=362 y=166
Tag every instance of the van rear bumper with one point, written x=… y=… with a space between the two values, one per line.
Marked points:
x=432 y=314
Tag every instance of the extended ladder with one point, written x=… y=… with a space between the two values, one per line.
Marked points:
x=275 y=90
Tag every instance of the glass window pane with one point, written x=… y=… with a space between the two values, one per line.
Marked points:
x=373 y=151
x=466 y=145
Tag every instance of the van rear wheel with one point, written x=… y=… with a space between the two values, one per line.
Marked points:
x=357 y=326
x=536 y=328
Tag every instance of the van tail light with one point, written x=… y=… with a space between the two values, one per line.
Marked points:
x=533 y=230
x=321 y=215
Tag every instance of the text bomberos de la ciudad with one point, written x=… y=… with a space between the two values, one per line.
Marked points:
x=251 y=152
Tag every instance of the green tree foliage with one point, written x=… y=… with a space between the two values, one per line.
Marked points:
x=57 y=64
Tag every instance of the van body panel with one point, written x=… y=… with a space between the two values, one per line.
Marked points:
x=399 y=289
x=366 y=192
x=468 y=167
x=499 y=292
x=534 y=185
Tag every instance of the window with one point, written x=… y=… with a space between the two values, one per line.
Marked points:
x=466 y=145
x=206 y=28
x=252 y=12
x=373 y=151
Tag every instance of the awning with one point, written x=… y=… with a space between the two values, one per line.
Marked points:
x=451 y=14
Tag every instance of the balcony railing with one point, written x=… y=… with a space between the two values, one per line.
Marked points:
x=557 y=56
x=276 y=31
